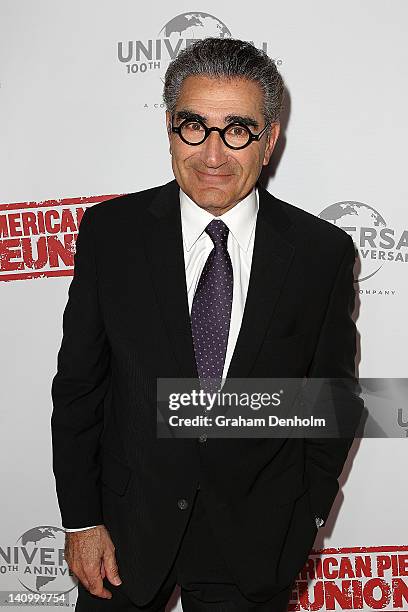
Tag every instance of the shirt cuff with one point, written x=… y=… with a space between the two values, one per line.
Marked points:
x=80 y=528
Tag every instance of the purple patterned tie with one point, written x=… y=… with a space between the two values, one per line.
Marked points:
x=211 y=308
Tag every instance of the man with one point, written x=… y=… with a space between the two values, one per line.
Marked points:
x=210 y=254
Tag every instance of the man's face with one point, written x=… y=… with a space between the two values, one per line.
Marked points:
x=213 y=175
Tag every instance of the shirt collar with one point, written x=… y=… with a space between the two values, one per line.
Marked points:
x=240 y=219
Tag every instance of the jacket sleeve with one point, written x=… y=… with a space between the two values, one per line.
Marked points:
x=78 y=391
x=334 y=361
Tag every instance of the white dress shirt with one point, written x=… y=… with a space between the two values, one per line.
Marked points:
x=241 y=220
x=197 y=245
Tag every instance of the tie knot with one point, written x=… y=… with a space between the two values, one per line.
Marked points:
x=218 y=232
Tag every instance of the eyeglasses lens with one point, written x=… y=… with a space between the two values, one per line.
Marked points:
x=194 y=133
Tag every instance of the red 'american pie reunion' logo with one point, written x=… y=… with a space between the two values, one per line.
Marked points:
x=37 y=239
x=355 y=578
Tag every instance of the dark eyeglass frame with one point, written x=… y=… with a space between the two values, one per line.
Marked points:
x=221 y=131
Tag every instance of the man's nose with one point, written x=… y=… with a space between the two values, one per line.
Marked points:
x=213 y=150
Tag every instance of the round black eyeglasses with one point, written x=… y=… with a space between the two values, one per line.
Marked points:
x=235 y=135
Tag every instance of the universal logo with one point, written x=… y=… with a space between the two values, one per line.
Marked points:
x=145 y=56
x=376 y=243
x=37 y=560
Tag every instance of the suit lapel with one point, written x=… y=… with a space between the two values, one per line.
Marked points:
x=164 y=249
x=271 y=259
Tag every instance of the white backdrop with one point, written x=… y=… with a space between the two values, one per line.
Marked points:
x=76 y=123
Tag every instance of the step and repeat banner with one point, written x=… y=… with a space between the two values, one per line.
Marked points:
x=82 y=120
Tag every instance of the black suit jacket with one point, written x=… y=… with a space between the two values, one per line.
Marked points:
x=127 y=323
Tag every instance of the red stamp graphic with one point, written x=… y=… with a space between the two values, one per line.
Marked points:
x=37 y=239
x=359 y=578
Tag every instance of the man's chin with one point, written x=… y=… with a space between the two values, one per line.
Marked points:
x=210 y=195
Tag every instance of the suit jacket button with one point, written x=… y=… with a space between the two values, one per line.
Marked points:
x=182 y=504
x=203 y=438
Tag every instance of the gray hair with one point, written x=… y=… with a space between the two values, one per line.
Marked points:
x=226 y=58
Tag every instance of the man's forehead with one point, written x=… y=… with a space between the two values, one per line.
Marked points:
x=211 y=96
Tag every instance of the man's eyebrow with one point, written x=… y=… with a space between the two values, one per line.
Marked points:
x=186 y=113
x=189 y=114
x=245 y=119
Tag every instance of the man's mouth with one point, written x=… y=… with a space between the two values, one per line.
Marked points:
x=210 y=176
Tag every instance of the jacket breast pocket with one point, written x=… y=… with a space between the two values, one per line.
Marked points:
x=115 y=473
x=289 y=342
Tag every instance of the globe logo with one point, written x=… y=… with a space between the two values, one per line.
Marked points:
x=194 y=25
x=39 y=553
x=366 y=226
x=189 y=26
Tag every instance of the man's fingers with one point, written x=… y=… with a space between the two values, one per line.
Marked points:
x=90 y=556
x=111 y=569
x=96 y=587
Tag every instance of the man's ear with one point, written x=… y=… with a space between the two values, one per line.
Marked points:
x=271 y=142
x=168 y=127
x=168 y=123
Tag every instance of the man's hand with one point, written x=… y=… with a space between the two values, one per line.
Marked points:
x=90 y=555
